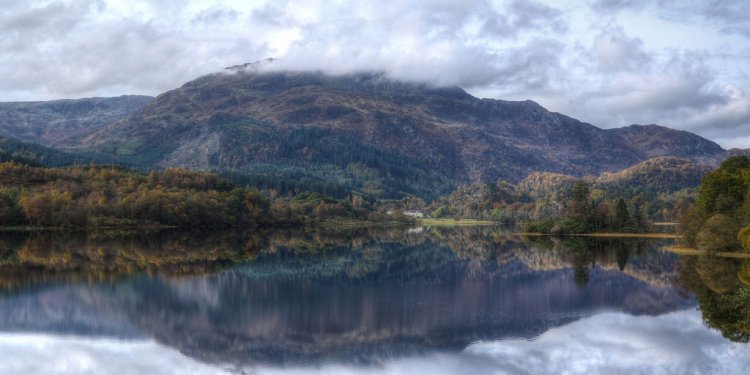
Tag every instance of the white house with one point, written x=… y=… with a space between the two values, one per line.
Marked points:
x=414 y=213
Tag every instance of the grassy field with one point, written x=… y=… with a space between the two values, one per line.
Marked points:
x=453 y=223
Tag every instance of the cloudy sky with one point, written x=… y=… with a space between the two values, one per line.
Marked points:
x=680 y=63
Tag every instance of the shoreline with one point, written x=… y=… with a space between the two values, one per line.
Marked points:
x=604 y=235
x=329 y=224
x=683 y=250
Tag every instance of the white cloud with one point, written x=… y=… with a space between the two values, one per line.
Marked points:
x=615 y=51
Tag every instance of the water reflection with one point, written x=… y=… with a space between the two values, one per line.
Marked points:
x=722 y=288
x=319 y=297
x=30 y=258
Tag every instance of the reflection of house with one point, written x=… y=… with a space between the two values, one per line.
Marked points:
x=410 y=213
x=414 y=213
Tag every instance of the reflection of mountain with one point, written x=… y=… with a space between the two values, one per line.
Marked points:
x=61 y=310
x=353 y=296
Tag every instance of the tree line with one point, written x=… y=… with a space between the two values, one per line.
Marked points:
x=720 y=219
x=582 y=214
x=95 y=196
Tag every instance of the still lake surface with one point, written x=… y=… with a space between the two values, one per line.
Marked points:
x=397 y=301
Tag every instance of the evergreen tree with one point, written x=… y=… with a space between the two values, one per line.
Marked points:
x=622 y=216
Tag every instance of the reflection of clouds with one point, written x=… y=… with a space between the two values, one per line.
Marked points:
x=619 y=343
x=47 y=354
x=607 y=343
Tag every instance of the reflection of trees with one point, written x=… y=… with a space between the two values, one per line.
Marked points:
x=581 y=275
x=110 y=255
x=628 y=255
x=622 y=253
x=720 y=285
x=101 y=256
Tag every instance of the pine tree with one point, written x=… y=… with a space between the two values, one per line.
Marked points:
x=622 y=216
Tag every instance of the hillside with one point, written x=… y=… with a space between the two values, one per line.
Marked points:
x=294 y=131
x=661 y=187
x=37 y=155
x=659 y=175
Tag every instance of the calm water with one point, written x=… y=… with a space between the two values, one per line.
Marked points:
x=422 y=300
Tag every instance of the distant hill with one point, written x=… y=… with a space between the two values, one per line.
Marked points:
x=660 y=175
x=54 y=123
x=386 y=138
x=660 y=186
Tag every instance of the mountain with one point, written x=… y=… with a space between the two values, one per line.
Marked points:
x=366 y=132
x=52 y=123
x=443 y=129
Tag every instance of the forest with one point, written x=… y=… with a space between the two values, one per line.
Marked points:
x=36 y=155
x=582 y=214
x=111 y=196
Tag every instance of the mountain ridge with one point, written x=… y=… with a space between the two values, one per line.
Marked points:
x=50 y=123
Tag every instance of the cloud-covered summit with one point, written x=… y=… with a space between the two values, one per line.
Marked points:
x=608 y=62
